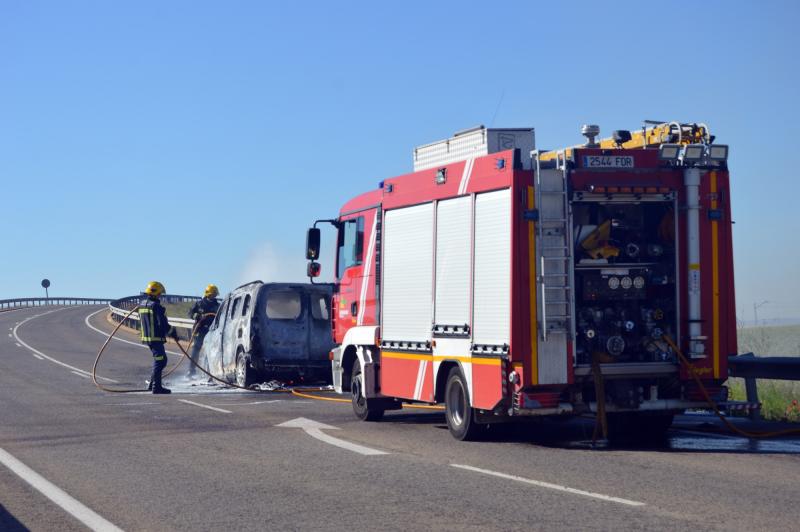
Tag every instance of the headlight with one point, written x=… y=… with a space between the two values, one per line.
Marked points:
x=638 y=282
x=613 y=283
x=626 y=282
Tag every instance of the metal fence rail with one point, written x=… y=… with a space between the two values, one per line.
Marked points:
x=22 y=302
x=121 y=307
x=751 y=367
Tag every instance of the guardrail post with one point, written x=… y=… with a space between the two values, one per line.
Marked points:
x=751 y=387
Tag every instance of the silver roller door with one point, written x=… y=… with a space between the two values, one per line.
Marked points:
x=453 y=233
x=408 y=274
x=492 y=309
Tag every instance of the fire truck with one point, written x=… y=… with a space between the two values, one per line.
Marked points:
x=510 y=283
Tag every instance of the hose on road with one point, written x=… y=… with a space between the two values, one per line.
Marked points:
x=299 y=392
x=713 y=404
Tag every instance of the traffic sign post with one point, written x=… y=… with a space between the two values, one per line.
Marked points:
x=46 y=285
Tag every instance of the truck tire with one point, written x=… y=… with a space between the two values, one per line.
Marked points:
x=631 y=427
x=458 y=412
x=245 y=375
x=361 y=406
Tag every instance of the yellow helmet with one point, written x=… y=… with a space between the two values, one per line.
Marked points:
x=154 y=289
x=211 y=291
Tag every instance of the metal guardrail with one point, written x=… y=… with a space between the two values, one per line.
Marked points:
x=750 y=367
x=121 y=307
x=24 y=302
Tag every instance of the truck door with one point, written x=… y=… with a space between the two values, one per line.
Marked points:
x=354 y=300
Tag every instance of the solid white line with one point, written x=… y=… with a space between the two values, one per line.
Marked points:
x=81 y=375
x=214 y=408
x=137 y=344
x=51 y=359
x=547 y=485
x=76 y=509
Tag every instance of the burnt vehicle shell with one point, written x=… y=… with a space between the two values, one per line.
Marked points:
x=267 y=331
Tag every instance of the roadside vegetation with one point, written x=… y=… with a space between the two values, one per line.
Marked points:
x=178 y=310
x=780 y=400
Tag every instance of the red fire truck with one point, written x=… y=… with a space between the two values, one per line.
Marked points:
x=507 y=282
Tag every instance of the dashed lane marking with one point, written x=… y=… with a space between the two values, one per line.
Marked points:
x=75 y=508
x=547 y=485
x=51 y=359
x=36 y=356
x=201 y=405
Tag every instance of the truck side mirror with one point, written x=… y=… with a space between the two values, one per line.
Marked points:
x=314 y=269
x=312 y=244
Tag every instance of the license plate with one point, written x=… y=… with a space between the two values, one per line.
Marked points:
x=608 y=161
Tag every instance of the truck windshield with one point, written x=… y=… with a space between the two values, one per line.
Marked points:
x=283 y=305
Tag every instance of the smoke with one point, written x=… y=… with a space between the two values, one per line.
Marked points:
x=271 y=264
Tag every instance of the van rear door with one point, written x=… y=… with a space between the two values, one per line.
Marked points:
x=285 y=326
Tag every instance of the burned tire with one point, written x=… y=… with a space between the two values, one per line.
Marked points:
x=245 y=375
x=632 y=428
x=361 y=406
x=458 y=412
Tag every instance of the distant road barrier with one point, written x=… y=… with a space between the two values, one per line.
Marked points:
x=751 y=367
x=120 y=307
x=23 y=302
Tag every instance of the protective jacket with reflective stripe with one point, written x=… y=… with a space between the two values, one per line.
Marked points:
x=153 y=319
x=205 y=306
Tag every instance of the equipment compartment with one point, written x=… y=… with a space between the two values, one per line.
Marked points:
x=625 y=279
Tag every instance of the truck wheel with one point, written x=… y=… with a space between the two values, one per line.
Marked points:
x=638 y=428
x=360 y=404
x=245 y=375
x=459 y=413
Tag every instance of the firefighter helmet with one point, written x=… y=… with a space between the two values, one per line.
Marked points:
x=154 y=289
x=211 y=291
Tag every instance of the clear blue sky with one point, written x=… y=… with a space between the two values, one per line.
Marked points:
x=193 y=142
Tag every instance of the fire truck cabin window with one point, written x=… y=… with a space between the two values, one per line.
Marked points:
x=284 y=305
x=351 y=245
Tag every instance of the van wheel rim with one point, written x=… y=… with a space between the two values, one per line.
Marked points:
x=240 y=370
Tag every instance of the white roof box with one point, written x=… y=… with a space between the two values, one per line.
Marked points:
x=475 y=142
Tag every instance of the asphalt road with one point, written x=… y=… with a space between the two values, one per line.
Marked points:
x=144 y=462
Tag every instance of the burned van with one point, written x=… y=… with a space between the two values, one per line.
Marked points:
x=266 y=331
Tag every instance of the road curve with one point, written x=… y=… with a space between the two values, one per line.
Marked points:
x=204 y=459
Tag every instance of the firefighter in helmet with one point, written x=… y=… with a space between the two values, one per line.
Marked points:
x=203 y=313
x=155 y=331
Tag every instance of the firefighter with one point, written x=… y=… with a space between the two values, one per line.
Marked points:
x=202 y=313
x=155 y=330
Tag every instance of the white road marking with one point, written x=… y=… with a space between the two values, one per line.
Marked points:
x=73 y=507
x=201 y=405
x=547 y=485
x=17 y=344
x=81 y=375
x=10 y=335
x=51 y=359
x=251 y=403
x=137 y=344
x=37 y=356
x=129 y=404
x=314 y=429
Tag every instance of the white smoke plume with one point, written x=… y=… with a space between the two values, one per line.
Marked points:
x=270 y=264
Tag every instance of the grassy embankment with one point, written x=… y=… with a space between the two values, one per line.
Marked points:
x=780 y=399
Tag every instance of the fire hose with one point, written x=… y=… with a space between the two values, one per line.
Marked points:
x=304 y=392
x=601 y=422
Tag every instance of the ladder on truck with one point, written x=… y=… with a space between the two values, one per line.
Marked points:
x=554 y=278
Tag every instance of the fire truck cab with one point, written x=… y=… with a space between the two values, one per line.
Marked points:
x=509 y=283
